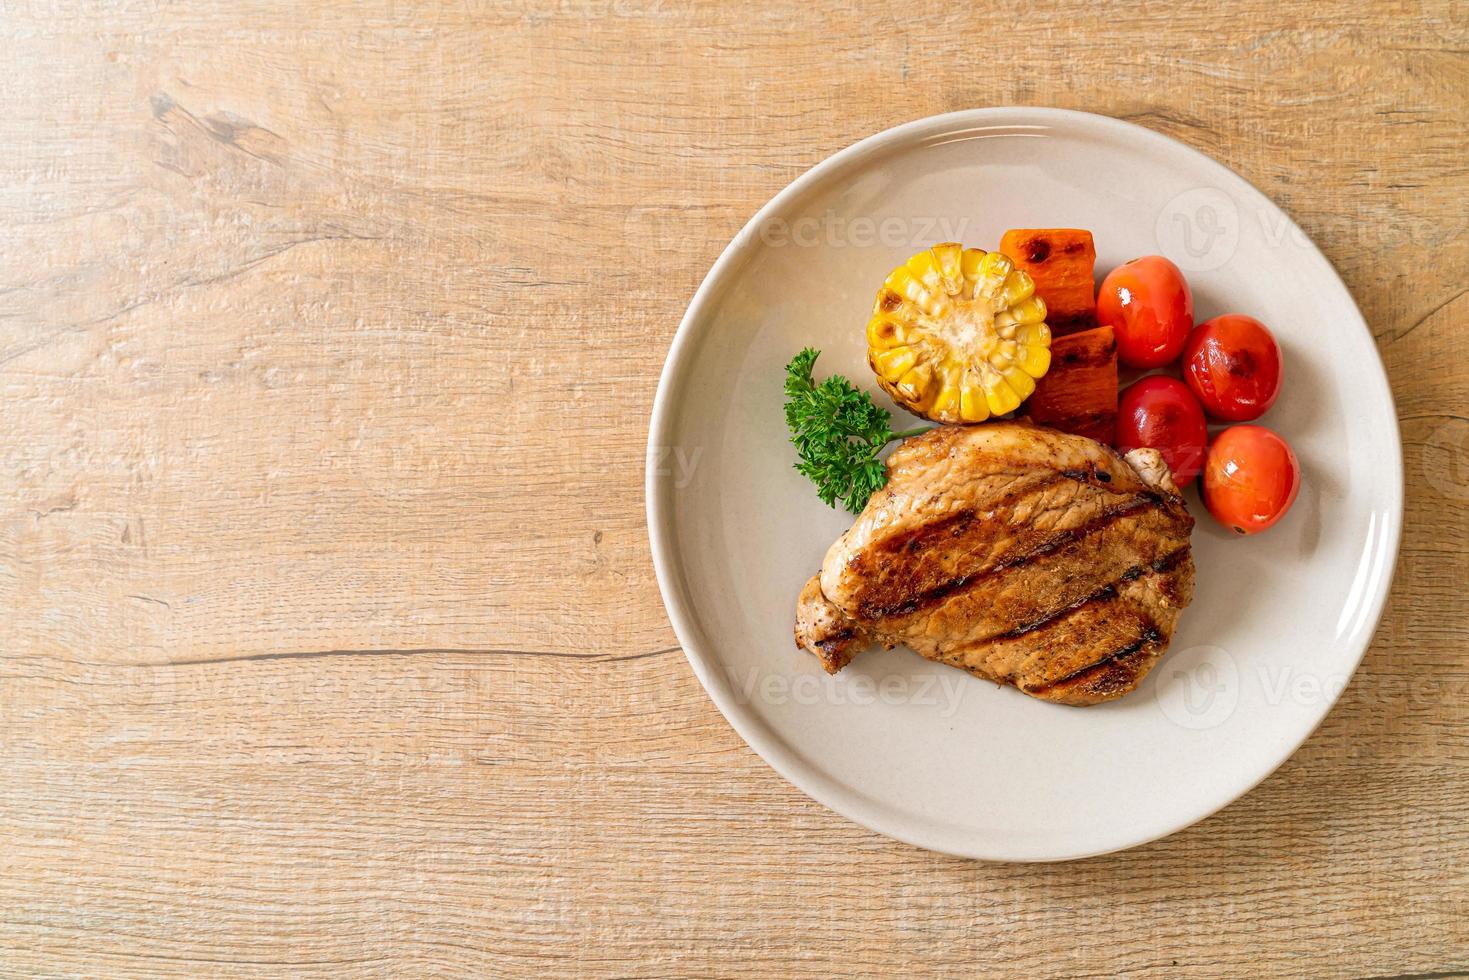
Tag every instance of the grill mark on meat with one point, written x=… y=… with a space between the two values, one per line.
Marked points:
x=835 y=639
x=1171 y=560
x=906 y=604
x=1094 y=477
x=1162 y=566
x=1106 y=592
x=954 y=525
x=951 y=525
x=1047 y=565
x=1150 y=635
x=1099 y=479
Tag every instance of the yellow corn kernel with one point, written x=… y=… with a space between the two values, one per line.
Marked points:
x=1032 y=310
x=973 y=405
x=893 y=364
x=1018 y=286
x=915 y=290
x=1020 y=382
x=1034 y=360
x=1002 y=398
x=947 y=401
x=916 y=384
x=925 y=268
x=954 y=331
x=1033 y=334
x=885 y=333
x=948 y=260
x=996 y=266
x=971 y=263
x=902 y=282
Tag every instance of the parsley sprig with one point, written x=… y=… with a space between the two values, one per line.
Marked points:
x=838 y=432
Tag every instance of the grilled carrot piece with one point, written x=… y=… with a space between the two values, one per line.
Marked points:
x=1079 y=393
x=1060 y=261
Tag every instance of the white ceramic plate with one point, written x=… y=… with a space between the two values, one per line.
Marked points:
x=926 y=753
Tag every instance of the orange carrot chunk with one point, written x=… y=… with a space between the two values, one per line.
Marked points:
x=1060 y=260
x=1079 y=393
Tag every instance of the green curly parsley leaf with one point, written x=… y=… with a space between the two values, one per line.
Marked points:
x=838 y=432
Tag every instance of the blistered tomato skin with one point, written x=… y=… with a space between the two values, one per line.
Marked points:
x=1232 y=363
x=1251 y=478
x=1161 y=413
x=1148 y=305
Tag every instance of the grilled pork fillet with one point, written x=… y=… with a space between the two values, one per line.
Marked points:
x=1026 y=556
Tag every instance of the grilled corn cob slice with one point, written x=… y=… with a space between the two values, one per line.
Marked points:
x=958 y=335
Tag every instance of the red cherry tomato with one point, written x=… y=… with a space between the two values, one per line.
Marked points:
x=1232 y=363
x=1148 y=305
x=1161 y=413
x=1251 y=478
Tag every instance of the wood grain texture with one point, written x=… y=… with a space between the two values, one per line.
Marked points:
x=329 y=638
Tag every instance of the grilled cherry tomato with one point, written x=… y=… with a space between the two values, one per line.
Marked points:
x=1232 y=363
x=1161 y=413
x=1148 y=305
x=1251 y=478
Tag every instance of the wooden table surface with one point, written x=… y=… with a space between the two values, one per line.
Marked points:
x=329 y=637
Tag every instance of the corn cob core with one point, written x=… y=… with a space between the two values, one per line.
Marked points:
x=957 y=335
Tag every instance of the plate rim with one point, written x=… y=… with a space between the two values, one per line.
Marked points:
x=658 y=509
